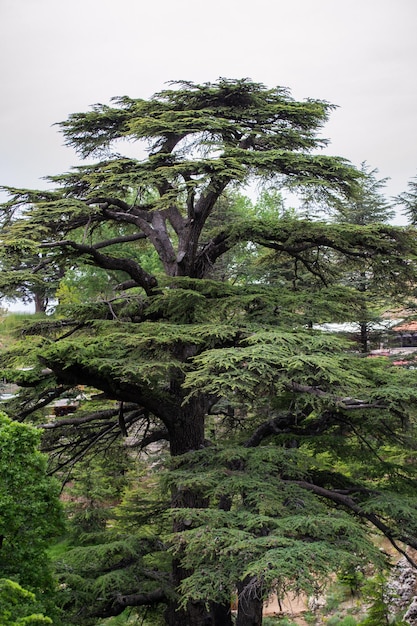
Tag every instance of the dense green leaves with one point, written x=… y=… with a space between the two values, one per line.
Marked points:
x=18 y=606
x=29 y=508
x=272 y=530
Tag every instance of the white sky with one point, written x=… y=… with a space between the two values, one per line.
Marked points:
x=61 y=56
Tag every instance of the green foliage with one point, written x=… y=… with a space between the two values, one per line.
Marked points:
x=130 y=618
x=353 y=578
x=267 y=360
x=30 y=512
x=96 y=485
x=378 y=613
x=18 y=607
x=272 y=530
x=409 y=201
x=113 y=542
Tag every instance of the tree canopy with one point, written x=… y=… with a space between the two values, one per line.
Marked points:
x=288 y=448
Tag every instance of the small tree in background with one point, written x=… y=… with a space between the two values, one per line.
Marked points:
x=367 y=206
x=409 y=201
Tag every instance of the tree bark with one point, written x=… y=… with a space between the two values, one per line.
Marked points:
x=250 y=605
x=222 y=614
x=41 y=302
x=364 y=337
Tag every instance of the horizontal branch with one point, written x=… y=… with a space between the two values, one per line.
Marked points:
x=121 y=204
x=127 y=284
x=121 y=239
x=277 y=426
x=317 y=240
x=135 y=271
x=211 y=252
x=121 y=602
x=344 y=402
x=153 y=437
x=76 y=421
x=132 y=392
x=344 y=500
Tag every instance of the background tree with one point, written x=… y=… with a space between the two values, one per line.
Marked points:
x=409 y=201
x=125 y=553
x=183 y=355
x=368 y=205
x=28 y=274
x=30 y=512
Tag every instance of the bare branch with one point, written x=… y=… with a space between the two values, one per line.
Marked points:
x=115 y=240
x=49 y=397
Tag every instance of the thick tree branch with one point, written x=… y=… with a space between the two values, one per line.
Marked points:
x=206 y=201
x=137 y=216
x=121 y=239
x=289 y=423
x=121 y=602
x=85 y=419
x=277 y=426
x=148 y=439
x=133 y=392
x=320 y=242
x=210 y=252
x=135 y=271
x=127 y=284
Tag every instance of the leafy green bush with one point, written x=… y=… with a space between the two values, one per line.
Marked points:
x=30 y=510
x=18 y=607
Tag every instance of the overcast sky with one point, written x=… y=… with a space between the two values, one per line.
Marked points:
x=61 y=56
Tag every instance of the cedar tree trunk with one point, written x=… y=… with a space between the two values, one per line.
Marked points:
x=250 y=605
x=186 y=433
